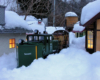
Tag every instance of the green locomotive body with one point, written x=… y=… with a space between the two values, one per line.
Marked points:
x=37 y=45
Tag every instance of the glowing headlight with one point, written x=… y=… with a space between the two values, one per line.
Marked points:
x=20 y=41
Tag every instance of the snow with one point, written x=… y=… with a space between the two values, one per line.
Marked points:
x=8 y=61
x=10 y=4
x=77 y=27
x=72 y=63
x=13 y=20
x=51 y=29
x=70 y=14
x=34 y=25
x=29 y=18
x=71 y=37
x=89 y=11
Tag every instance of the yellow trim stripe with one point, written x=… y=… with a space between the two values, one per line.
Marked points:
x=36 y=51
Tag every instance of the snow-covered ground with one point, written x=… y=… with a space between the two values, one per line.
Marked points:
x=72 y=63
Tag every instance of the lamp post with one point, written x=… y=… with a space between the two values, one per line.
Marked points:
x=54 y=15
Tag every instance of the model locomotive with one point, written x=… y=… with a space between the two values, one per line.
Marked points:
x=36 y=46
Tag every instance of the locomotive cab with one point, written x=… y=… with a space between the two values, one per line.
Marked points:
x=36 y=37
x=39 y=38
x=36 y=46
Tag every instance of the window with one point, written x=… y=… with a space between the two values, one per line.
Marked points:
x=35 y=38
x=12 y=43
x=90 y=40
x=30 y=38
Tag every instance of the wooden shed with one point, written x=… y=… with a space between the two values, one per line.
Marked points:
x=71 y=19
x=93 y=34
x=90 y=19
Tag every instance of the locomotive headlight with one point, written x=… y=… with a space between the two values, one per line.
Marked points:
x=20 y=41
x=36 y=31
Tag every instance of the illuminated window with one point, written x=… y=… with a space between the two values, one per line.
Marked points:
x=12 y=43
x=90 y=39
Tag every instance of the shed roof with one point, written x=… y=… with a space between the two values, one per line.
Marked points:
x=92 y=20
x=71 y=14
x=90 y=13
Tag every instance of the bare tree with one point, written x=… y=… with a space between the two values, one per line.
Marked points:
x=35 y=7
x=44 y=8
x=62 y=6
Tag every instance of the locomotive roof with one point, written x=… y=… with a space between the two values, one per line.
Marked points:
x=40 y=34
x=60 y=32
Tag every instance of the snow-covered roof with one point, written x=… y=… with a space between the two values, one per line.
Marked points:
x=89 y=11
x=34 y=25
x=78 y=28
x=29 y=18
x=70 y=14
x=13 y=20
x=10 y=4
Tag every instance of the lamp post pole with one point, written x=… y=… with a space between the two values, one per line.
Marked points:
x=54 y=15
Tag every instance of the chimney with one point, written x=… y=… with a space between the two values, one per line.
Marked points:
x=2 y=15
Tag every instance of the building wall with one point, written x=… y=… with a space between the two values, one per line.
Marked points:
x=4 y=41
x=70 y=21
x=98 y=36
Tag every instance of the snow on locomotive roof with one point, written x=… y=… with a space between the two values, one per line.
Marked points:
x=89 y=11
x=70 y=14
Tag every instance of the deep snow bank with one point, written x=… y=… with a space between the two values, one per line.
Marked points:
x=71 y=63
